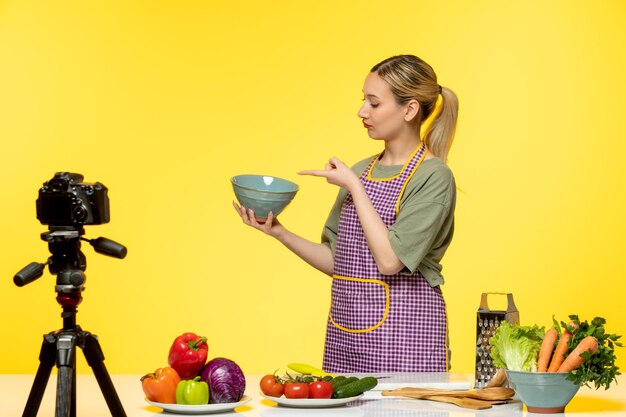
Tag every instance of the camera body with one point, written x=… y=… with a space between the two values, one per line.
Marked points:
x=66 y=200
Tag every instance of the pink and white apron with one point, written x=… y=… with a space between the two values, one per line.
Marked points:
x=381 y=323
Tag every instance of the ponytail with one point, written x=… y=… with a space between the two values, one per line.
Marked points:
x=440 y=133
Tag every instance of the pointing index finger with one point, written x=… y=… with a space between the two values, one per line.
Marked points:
x=313 y=172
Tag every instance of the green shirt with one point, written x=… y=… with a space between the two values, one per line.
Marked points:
x=425 y=222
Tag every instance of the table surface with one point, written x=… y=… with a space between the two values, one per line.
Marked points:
x=14 y=390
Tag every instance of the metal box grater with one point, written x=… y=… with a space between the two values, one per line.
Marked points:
x=487 y=321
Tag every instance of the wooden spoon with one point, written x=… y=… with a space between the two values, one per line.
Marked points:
x=489 y=394
x=461 y=402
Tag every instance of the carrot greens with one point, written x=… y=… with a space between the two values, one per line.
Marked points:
x=600 y=367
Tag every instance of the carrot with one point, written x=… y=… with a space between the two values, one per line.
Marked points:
x=561 y=349
x=547 y=346
x=574 y=360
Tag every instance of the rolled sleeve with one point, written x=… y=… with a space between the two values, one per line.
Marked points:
x=413 y=234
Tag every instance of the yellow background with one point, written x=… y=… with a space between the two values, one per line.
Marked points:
x=164 y=101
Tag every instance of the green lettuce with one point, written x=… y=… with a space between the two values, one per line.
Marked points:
x=516 y=348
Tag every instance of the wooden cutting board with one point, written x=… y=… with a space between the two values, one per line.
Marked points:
x=395 y=380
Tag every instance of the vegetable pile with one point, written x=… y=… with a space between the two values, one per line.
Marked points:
x=584 y=350
x=190 y=379
x=311 y=382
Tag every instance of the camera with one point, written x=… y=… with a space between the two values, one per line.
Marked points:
x=66 y=200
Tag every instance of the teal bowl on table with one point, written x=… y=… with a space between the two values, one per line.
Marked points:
x=543 y=392
x=263 y=193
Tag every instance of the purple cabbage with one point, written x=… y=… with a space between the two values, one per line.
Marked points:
x=226 y=381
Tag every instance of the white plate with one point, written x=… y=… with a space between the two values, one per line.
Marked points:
x=312 y=402
x=200 y=409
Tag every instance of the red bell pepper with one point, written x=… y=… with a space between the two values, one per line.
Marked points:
x=188 y=354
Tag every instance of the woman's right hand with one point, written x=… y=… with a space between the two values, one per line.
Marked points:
x=317 y=255
x=271 y=226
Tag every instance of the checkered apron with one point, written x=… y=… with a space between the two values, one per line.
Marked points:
x=381 y=323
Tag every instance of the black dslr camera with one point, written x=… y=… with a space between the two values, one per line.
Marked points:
x=66 y=201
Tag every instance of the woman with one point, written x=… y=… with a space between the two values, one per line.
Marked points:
x=391 y=224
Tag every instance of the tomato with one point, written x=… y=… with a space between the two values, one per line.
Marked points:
x=320 y=389
x=297 y=390
x=276 y=390
x=266 y=382
x=271 y=386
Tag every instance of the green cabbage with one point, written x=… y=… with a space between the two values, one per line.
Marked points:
x=516 y=348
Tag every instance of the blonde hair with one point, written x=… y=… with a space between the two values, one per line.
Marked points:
x=410 y=78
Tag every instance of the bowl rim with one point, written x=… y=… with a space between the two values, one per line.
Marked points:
x=232 y=181
x=560 y=375
x=537 y=373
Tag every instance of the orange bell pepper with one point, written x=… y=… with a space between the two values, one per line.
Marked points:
x=160 y=385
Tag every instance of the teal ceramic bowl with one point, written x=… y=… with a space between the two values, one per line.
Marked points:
x=543 y=392
x=263 y=193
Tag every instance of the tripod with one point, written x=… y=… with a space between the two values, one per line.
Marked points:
x=59 y=347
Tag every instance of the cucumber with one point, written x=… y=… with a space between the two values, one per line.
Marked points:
x=342 y=381
x=358 y=387
x=336 y=381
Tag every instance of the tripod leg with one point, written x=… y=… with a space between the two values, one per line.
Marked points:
x=46 y=362
x=64 y=395
x=66 y=377
x=95 y=357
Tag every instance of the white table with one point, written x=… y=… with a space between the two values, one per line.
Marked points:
x=14 y=390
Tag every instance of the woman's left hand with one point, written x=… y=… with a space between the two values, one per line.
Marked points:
x=336 y=173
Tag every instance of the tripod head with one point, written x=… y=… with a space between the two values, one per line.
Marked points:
x=67 y=261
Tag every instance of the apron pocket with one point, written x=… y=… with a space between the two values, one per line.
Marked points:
x=358 y=305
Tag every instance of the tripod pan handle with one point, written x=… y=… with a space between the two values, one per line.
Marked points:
x=29 y=273
x=108 y=247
